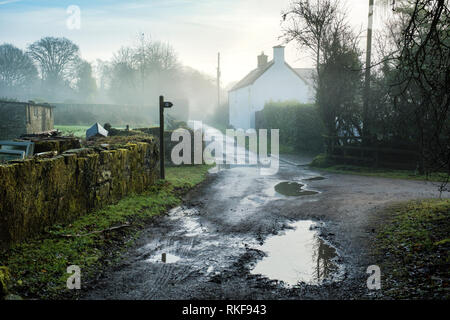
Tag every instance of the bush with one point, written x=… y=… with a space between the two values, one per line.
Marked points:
x=300 y=125
x=321 y=161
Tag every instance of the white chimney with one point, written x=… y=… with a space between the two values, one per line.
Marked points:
x=278 y=54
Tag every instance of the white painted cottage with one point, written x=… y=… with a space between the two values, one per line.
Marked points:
x=270 y=81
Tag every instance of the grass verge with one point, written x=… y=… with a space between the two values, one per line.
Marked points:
x=78 y=131
x=320 y=162
x=38 y=267
x=412 y=248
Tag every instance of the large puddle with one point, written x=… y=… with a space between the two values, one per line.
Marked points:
x=298 y=255
x=290 y=188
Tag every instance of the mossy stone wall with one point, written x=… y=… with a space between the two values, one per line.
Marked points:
x=5 y=279
x=36 y=193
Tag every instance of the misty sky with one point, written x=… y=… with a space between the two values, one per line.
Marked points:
x=197 y=29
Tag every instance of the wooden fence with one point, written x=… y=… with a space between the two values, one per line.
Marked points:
x=351 y=150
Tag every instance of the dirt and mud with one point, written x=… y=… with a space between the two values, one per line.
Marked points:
x=229 y=228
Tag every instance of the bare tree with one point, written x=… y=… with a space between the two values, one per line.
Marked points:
x=155 y=56
x=55 y=57
x=339 y=89
x=17 y=70
x=306 y=22
x=424 y=79
x=321 y=26
x=142 y=72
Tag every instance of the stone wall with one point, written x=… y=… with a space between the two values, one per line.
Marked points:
x=58 y=144
x=36 y=193
x=17 y=118
x=12 y=120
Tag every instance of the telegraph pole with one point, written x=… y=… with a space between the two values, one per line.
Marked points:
x=366 y=101
x=218 y=80
x=142 y=62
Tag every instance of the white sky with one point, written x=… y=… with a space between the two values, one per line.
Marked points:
x=239 y=29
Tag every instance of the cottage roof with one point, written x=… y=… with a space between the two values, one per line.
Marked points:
x=306 y=74
x=251 y=77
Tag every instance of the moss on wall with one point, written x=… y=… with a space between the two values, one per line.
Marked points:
x=5 y=279
x=36 y=193
x=55 y=144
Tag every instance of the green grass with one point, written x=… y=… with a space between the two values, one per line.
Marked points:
x=186 y=176
x=285 y=149
x=322 y=163
x=76 y=131
x=384 y=173
x=413 y=246
x=38 y=267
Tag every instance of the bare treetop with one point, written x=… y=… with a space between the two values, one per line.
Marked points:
x=54 y=56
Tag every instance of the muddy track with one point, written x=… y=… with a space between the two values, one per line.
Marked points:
x=214 y=240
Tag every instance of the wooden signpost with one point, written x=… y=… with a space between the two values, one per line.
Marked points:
x=162 y=104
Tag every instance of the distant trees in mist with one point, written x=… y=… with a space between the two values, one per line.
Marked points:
x=51 y=69
x=17 y=71
x=139 y=74
x=55 y=57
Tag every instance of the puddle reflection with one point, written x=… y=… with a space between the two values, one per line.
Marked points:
x=315 y=178
x=289 y=188
x=298 y=255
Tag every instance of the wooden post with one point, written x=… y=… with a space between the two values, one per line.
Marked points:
x=162 y=104
x=161 y=137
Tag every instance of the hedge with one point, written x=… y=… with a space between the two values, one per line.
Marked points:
x=301 y=127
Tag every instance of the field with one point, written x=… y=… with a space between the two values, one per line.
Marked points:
x=77 y=131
